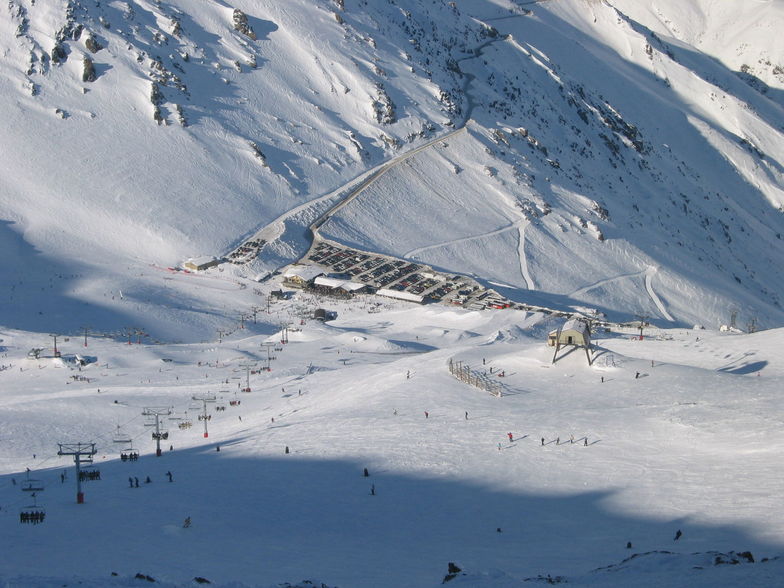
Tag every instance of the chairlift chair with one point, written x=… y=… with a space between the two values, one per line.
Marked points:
x=90 y=474
x=31 y=485
x=121 y=438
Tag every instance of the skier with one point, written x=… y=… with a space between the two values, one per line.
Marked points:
x=186 y=523
x=130 y=482
x=511 y=437
x=637 y=375
x=171 y=478
x=678 y=535
x=466 y=415
x=427 y=414
x=585 y=444
x=542 y=441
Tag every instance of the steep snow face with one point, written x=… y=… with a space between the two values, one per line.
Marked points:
x=742 y=35
x=602 y=164
x=607 y=161
x=169 y=129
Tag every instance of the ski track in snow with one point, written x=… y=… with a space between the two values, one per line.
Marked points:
x=656 y=300
x=492 y=233
x=529 y=282
x=585 y=289
x=647 y=273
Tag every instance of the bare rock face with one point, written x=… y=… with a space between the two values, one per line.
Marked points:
x=88 y=73
x=92 y=44
x=241 y=24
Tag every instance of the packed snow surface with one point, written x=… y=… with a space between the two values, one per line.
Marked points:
x=674 y=432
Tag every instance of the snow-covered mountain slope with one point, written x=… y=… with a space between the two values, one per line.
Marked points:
x=613 y=155
x=601 y=165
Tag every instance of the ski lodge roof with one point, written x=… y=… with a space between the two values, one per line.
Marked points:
x=335 y=283
x=400 y=295
x=302 y=273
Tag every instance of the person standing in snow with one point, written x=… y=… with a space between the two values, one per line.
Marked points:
x=427 y=414
x=511 y=437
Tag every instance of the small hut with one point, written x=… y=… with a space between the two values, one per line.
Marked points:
x=201 y=263
x=575 y=332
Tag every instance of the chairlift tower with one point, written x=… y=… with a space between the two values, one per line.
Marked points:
x=643 y=318
x=82 y=453
x=269 y=347
x=157 y=413
x=204 y=399
x=247 y=367
x=85 y=330
x=56 y=351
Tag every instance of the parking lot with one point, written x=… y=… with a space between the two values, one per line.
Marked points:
x=380 y=271
x=246 y=252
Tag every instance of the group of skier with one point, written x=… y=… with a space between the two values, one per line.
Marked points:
x=34 y=517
